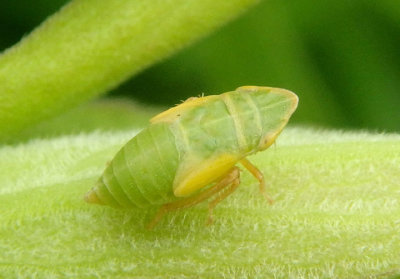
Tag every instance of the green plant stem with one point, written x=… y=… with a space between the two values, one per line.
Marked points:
x=336 y=214
x=91 y=46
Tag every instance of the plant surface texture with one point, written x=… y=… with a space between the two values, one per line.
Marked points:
x=336 y=214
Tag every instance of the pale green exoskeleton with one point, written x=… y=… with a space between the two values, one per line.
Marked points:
x=189 y=153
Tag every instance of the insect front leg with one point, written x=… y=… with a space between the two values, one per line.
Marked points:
x=259 y=176
x=230 y=180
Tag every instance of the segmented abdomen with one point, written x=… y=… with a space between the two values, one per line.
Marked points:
x=143 y=171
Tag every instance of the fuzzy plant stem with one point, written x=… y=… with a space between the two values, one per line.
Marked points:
x=91 y=46
x=336 y=214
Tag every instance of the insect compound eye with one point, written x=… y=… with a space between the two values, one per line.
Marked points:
x=265 y=141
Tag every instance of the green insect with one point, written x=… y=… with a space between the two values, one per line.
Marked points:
x=189 y=153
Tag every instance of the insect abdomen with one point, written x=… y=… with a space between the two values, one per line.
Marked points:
x=142 y=172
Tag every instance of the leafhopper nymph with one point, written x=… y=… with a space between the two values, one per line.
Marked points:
x=189 y=153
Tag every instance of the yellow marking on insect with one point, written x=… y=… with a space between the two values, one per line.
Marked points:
x=252 y=88
x=223 y=188
x=184 y=142
x=256 y=114
x=236 y=121
x=270 y=138
x=173 y=113
x=206 y=173
x=282 y=91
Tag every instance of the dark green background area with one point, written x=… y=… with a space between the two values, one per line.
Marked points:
x=341 y=57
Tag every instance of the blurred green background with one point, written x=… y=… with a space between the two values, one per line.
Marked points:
x=341 y=57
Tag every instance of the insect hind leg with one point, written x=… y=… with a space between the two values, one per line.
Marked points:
x=230 y=180
x=222 y=195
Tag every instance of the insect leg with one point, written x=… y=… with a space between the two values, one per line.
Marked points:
x=233 y=186
x=227 y=180
x=259 y=176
